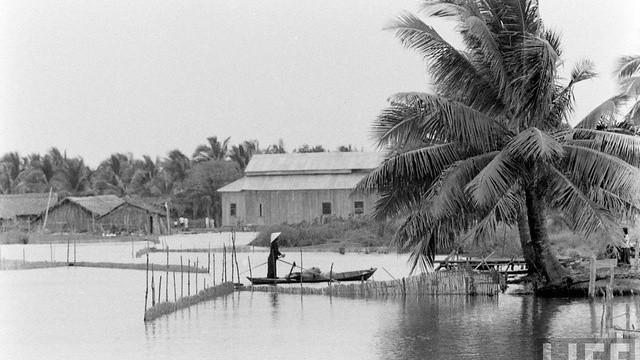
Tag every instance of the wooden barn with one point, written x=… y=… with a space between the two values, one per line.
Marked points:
x=22 y=209
x=135 y=216
x=80 y=214
x=291 y=188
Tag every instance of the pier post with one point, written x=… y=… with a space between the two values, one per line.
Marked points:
x=592 y=276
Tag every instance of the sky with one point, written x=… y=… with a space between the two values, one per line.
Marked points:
x=146 y=77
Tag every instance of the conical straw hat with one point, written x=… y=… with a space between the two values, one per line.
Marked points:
x=274 y=236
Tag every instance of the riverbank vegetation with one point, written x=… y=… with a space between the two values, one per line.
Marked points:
x=188 y=183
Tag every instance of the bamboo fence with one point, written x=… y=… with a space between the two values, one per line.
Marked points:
x=437 y=283
x=167 y=307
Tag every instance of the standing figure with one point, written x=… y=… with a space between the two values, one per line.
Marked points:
x=274 y=254
x=626 y=248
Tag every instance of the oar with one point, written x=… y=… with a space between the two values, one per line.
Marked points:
x=303 y=269
x=257 y=266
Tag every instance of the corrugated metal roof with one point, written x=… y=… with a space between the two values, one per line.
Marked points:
x=98 y=205
x=324 y=162
x=294 y=182
x=13 y=205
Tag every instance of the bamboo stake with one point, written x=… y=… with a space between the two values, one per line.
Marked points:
x=196 y=275
x=167 y=278
x=68 y=245
x=224 y=271
x=160 y=290
x=181 y=279
x=146 y=290
x=175 y=294
x=301 y=267
x=250 y=272
x=51 y=251
x=232 y=267
x=214 y=269
x=189 y=277
x=235 y=255
x=74 y=250
x=153 y=289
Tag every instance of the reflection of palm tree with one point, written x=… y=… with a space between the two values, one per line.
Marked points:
x=485 y=147
x=214 y=151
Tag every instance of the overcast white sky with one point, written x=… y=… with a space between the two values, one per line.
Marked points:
x=141 y=76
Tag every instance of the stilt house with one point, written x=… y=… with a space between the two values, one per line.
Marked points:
x=291 y=188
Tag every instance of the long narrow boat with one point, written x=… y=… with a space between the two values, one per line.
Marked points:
x=309 y=277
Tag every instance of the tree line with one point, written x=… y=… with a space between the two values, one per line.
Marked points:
x=189 y=184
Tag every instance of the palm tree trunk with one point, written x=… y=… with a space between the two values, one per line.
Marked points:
x=546 y=260
x=526 y=244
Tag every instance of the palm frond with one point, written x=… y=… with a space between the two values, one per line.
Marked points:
x=603 y=114
x=415 y=166
x=445 y=120
x=592 y=168
x=447 y=196
x=586 y=216
x=625 y=147
x=627 y=66
x=533 y=146
x=494 y=180
x=453 y=73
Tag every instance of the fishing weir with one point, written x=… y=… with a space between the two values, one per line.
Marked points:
x=456 y=282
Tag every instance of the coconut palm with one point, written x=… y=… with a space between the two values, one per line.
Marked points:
x=628 y=74
x=243 y=152
x=491 y=143
x=216 y=150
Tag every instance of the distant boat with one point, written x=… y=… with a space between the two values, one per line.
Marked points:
x=310 y=277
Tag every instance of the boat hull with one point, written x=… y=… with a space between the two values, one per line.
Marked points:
x=357 y=275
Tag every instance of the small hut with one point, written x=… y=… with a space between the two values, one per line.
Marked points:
x=80 y=214
x=22 y=209
x=134 y=216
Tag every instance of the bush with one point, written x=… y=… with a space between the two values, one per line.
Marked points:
x=361 y=231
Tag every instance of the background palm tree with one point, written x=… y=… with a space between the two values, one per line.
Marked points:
x=628 y=74
x=215 y=150
x=491 y=143
x=243 y=152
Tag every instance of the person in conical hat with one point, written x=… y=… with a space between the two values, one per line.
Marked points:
x=274 y=254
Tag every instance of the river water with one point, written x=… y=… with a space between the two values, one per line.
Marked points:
x=87 y=313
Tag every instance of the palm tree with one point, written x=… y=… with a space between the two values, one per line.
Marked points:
x=176 y=165
x=243 y=152
x=214 y=151
x=75 y=177
x=491 y=143
x=628 y=74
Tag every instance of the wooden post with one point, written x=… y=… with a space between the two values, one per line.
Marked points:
x=74 y=251
x=51 y=251
x=214 y=269
x=68 y=245
x=301 y=267
x=160 y=290
x=189 y=277
x=232 y=265
x=250 y=271
x=592 y=276
x=46 y=213
x=175 y=293
x=331 y=275
x=235 y=255
x=181 y=279
x=224 y=263
x=197 y=275
x=146 y=290
x=167 y=281
x=153 y=289
x=628 y=317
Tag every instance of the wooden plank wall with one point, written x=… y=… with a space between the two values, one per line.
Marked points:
x=290 y=206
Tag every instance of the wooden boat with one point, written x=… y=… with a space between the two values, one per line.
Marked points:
x=310 y=277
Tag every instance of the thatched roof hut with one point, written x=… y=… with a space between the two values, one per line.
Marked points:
x=134 y=215
x=24 y=207
x=79 y=214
